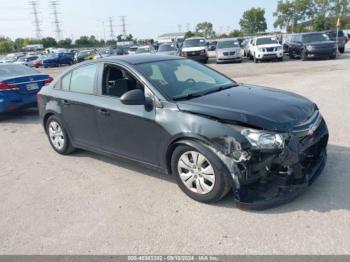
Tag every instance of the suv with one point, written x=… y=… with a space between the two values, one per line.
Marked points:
x=195 y=48
x=312 y=45
x=266 y=48
x=342 y=39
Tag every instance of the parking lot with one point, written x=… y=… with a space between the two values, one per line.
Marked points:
x=87 y=203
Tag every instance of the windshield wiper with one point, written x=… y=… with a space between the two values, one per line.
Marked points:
x=187 y=97
x=194 y=95
x=219 y=89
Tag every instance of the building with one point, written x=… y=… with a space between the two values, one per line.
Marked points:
x=171 y=37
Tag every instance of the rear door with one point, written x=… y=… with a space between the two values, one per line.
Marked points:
x=78 y=99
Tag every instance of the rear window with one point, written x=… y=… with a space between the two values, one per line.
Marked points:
x=83 y=79
x=16 y=70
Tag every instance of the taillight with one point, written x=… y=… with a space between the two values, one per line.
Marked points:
x=48 y=81
x=183 y=54
x=8 y=87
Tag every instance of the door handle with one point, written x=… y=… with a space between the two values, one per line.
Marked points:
x=104 y=112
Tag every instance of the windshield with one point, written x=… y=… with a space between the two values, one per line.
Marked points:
x=16 y=70
x=315 y=38
x=165 y=48
x=183 y=79
x=227 y=44
x=141 y=50
x=194 y=42
x=266 y=41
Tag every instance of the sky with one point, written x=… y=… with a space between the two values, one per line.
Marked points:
x=144 y=18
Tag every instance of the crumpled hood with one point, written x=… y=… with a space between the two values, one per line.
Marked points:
x=261 y=107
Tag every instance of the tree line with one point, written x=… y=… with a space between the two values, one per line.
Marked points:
x=290 y=15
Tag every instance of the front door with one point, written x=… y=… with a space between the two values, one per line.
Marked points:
x=127 y=130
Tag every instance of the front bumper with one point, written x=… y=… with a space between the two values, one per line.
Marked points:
x=321 y=53
x=271 y=179
x=269 y=55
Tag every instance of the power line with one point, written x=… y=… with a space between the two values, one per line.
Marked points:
x=56 y=21
x=34 y=5
x=111 y=27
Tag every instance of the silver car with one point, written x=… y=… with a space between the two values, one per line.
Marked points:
x=228 y=50
x=168 y=49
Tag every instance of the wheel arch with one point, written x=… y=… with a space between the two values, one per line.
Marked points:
x=198 y=143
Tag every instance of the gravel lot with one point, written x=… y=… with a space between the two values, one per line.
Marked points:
x=91 y=204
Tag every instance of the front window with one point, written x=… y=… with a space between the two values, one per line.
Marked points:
x=227 y=44
x=266 y=41
x=194 y=42
x=315 y=38
x=184 y=79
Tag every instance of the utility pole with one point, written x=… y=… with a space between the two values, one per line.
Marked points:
x=34 y=5
x=123 y=25
x=56 y=21
x=180 y=28
x=111 y=30
x=188 y=27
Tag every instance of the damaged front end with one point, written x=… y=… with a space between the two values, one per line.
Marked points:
x=265 y=176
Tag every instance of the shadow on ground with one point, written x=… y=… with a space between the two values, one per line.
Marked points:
x=330 y=192
x=28 y=116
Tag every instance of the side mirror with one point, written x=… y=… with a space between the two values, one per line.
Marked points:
x=134 y=97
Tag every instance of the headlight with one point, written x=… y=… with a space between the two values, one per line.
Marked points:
x=309 y=47
x=263 y=140
x=279 y=48
x=261 y=50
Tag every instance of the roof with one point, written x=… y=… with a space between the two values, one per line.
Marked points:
x=140 y=59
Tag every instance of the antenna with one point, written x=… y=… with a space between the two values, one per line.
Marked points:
x=111 y=31
x=56 y=21
x=34 y=5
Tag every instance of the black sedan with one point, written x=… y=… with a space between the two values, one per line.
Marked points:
x=213 y=134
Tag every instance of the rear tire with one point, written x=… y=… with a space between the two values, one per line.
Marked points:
x=58 y=136
x=195 y=172
x=342 y=50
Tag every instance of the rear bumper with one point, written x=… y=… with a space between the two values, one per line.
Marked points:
x=13 y=102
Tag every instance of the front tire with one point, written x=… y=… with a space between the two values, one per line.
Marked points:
x=342 y=50
x=58 y=137
x=197 y=174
